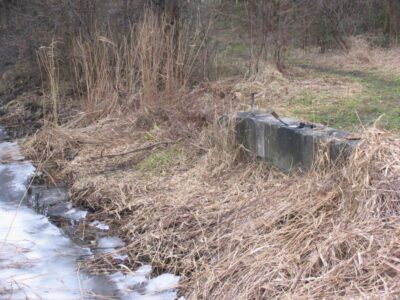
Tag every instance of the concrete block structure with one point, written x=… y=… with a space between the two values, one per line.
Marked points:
x=290 y=146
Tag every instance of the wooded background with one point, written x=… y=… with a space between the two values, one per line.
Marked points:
x=260 y=29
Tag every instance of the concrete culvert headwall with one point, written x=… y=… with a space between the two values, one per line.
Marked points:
x=287 y=143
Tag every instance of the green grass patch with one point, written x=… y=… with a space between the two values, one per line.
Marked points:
x=306 y=99
x=161 y=161
x=380 y=97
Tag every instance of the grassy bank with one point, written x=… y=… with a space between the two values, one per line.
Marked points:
x=121 y=101
x=231 y=228
x=378 y=97
x=141 y=148
x=178 y=191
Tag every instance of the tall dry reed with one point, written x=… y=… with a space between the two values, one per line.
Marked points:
x=48 y=60
x=145 y=68
x=96 y=65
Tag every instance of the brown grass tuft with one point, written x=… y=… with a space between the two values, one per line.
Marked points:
x=361 y=57
x=147 y=69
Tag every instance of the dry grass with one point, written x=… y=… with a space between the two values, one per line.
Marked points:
x=274 y=90
x=331 y=234
x=232 y=229
x=361 y=57
x=147 y=68
x=48 y=60
x=237 y=230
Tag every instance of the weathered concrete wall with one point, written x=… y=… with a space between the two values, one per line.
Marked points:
x=3 y=135
x=289 y=147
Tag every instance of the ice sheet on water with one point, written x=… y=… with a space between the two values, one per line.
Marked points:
x=3 y=134
x=75 y=214
x=100 y=225
x=42 y=262
x=144 y=270
x=109 y=243
x=10 y=152
x=162 y=283
x=37 y=261
x=50 y=197
x=168 y=295
x=54 y=202
x=120 y=257
x=14 y=176
x=139 y=286
x=13 y=180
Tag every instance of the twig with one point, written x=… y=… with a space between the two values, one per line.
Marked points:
x=6 y=161
x=148 y=147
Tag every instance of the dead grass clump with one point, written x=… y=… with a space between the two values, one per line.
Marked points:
x=53 y=147
x=316 y=236
x=22 y=115
x=47 y=57
x=376 y=172
x=253 y=232
x=113 y=143
x=237 y=230
x=149 y=68
x=220 y=141
x=361 y=57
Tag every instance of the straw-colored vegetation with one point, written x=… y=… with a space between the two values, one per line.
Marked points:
x=237 y=229
x=140 y=144
x=184 y=200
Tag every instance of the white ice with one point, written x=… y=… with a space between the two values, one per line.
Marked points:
x=162 y=283
x=37 y=261
x=120 y=257
x=109 y=243
x=100 y=225
x=75 y=214
x=139 y=286
x=9 y=152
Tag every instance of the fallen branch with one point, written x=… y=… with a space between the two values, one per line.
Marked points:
x=148 y=147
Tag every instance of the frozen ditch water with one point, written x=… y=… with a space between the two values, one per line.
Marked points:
x=39 y=261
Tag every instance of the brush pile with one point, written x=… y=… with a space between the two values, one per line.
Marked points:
x=238 y=230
